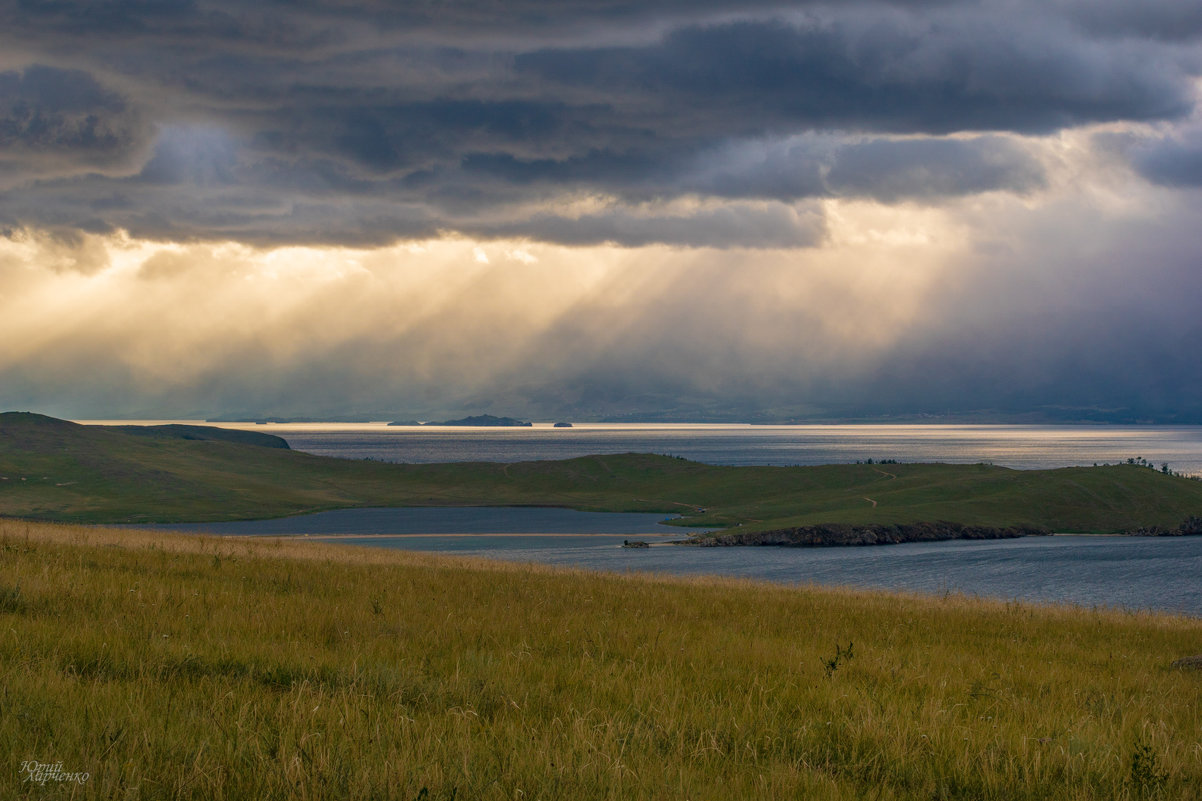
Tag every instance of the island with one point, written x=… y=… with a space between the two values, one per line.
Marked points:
x=485 y=420
x=562 y=425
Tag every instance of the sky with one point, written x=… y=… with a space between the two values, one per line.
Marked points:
x=602 y=209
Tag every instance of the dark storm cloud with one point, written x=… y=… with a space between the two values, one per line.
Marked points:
x=369 y=121
x=59 y=121
x=884 y=169
x=131 y=18
x=1133 y=362
x=1171 y=162
x=748 y=77
x=894 y=170
x=1085 y=316
x=1169 y=20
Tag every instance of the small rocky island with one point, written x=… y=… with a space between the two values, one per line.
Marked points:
x=562 y=425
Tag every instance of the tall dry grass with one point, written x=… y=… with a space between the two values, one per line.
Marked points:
x=168 y=666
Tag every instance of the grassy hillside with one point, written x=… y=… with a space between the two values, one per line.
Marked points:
x=55 y=470
x=368 y=673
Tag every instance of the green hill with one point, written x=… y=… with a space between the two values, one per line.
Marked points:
x=55 y=470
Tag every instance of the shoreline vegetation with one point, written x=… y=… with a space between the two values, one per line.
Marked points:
x=56 y=470
x=832 y=535
x=848 y=535
x=130 y=656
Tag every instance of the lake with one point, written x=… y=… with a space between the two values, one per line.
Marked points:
x=1023 y=447
x=1126 y=572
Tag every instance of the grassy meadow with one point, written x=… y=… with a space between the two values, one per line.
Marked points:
x=169 y=666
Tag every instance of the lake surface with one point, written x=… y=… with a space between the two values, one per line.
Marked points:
x=1125 y=572
x=1019 y=446
x=1023 y=447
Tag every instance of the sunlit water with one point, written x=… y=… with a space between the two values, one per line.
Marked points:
x=1124 y=572
x=1023 y=447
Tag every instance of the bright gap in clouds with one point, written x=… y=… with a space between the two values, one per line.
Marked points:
x=377 y=328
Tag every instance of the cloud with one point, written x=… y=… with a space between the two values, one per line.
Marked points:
x=931 y=168
x=212 y=329
x=63 y=122
x=987 y=303
x=599 y=206
x=1166 y=20
x=367 y=123
x=744 y=225
x=1173 y=162
x=290 y=25
x=886 y=169
x=885 y=74
x=1081 y=306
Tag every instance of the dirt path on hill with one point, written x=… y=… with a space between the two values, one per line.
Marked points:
x=694 y=507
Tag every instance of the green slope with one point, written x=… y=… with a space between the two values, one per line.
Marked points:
x=55 y=470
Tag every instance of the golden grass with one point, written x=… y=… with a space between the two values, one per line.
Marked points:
x=169 y=666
